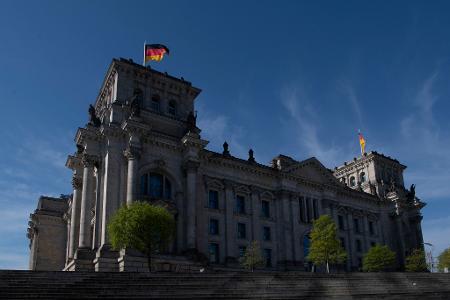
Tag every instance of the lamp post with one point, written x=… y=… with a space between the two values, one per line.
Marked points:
x=429 y=256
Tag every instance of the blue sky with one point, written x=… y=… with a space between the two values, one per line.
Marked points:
x=292 y=77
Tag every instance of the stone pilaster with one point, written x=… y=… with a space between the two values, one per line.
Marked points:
x=296 y=229
x=191 y=213
x=286 y=223
x=351 y=240
x=256 y=213
x=230 y=234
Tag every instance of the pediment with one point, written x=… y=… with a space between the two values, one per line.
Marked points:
x=312 y=170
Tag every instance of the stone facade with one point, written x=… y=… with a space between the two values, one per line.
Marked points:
x=142 y=143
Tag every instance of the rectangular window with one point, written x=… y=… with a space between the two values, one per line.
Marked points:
x=356 y=225
x=240 y=204
x=265 y=209
x=214 y=226
x=358 y=246
x=214 y=253
x=268 y=257
x=371 y=228
x=242 y=250
x=301 y=204
x=308 y=210
x=315 y=209
x=266 y=233
x=213 y=199
x=342 y=242
x=341 y=222
x=155 y=105
x=241 y=231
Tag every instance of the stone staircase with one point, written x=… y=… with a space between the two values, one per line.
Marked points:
x=222 y=285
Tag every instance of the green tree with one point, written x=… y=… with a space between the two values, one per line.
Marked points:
x=444 y=260
x=141 y=226
x=416 y=262
x=252 y=257
x=379 y=258
x=325 y=247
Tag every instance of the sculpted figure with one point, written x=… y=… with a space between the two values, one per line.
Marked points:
x=93 y=119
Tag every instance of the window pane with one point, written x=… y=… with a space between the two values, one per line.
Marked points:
x=241 y=231
x=240 y=204
x=266 y=233
x=301 y=204
x=214 y=199
x=265 y=209
x=214 y=226
x=167 y=189
x=341 y=222
x=156 y=185
x=144 y=185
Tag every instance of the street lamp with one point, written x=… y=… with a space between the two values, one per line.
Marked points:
x=429 y=255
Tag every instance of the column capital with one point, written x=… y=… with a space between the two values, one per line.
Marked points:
x=77 y=183
x=132 y=153
x=89 y=160
x=191 y=165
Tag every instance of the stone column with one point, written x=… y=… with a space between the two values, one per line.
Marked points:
x=132 y=154
x=86 y=201
x=77 y=183
x=191 y=170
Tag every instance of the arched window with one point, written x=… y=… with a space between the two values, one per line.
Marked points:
x=155 y=105
x=156 y=186
x=352 y=181
x=172 y=108
x=362 y=177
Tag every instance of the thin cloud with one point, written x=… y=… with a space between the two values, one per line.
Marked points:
x=217 y=129
x=297 y=104
x=348 y=89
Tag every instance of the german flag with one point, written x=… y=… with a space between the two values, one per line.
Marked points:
x=362 y=143
x=154 y=52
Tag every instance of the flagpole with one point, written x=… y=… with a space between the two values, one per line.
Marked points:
x=143 y=61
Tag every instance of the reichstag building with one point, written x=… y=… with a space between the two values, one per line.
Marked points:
x=142 y=143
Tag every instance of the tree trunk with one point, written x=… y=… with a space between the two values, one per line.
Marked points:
x=328 y=267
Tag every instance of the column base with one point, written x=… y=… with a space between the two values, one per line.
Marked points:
x=132 y=261
x=83 y=260
x=106 y=259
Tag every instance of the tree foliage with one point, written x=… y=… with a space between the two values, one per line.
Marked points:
x=252 y=257
x=416 y=262
x=141 y=226
x=379 y=258
x=444 y=260
x=325 y=247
